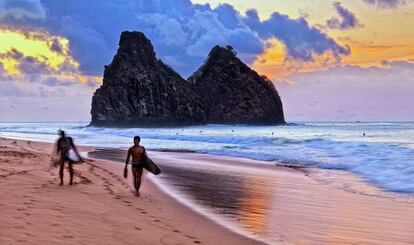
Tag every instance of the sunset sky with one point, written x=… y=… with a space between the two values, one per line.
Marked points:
x=330 y=60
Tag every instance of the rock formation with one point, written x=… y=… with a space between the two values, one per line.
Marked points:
x=233 y=93
x=140 y=90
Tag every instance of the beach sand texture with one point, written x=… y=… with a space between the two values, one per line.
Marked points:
x=99 y=209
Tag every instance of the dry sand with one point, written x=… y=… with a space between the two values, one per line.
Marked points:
x=99 y=209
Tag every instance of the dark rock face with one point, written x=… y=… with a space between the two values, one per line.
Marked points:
x=233 y=93
x=139 y=90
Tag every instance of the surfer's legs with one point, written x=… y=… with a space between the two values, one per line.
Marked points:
x=71 y=173
x=134 y=180
x=61 y=168
x=139 y=177
x=137 y=172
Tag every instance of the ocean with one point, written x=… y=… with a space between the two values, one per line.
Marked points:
x=382 y=153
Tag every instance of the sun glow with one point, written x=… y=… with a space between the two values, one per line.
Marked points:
x=52 y=52
x=276 y=64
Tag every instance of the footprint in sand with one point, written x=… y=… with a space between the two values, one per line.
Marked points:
x=177 y=231
x=28 y=234
x=138 y=229
x=197 y=242
x=67 y=236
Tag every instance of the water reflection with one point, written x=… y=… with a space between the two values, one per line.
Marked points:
x=253 y=206
x=238 y=196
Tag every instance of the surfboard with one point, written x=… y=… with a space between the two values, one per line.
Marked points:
x=74 y=157
x=151 y=166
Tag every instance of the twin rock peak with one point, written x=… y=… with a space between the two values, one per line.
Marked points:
x=140 y=90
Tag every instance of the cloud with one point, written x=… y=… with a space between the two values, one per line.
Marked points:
x=385 y=4
x=346 y=20
x=303 y=41
x=38 y=52
x=24 y=98
x=19 y=9
x=351 y=93
x=180 y=31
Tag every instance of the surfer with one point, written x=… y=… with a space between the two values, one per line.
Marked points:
x=136 y=152
x=63 y=147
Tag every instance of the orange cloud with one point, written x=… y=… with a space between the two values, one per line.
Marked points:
x=40 y=47
x=275 y=63
x=35 y=52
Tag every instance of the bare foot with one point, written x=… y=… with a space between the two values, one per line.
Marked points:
x=137 y=194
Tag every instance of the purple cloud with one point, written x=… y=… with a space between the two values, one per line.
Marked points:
x=352 y=93
x=385 y=4
x=346 y=20
x=301 y=39
x=20 y=9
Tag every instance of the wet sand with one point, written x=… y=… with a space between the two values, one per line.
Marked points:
x=285 y=204
x=99 y=209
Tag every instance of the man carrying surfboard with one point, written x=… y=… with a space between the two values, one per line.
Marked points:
x=137 y=152
x=68 y=153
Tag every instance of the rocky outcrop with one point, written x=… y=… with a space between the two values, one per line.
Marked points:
x=233 y=93
x=140 y=90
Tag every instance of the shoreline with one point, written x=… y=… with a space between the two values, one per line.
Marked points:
x=99 y=191
x=326 y=176
x=322 y=206
x=309 y=206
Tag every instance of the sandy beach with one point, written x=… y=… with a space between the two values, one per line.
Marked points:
x=99 y=209
x=306 y=207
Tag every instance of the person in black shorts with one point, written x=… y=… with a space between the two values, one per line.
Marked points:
x=63 y=146
x=136 y=152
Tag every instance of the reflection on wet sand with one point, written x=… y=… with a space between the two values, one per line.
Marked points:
x=254 y=206
x=237 y=196
x=278 y=204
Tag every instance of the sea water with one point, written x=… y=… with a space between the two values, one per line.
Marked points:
x=382 y=153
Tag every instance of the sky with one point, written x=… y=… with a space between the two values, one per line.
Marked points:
x=330 y=60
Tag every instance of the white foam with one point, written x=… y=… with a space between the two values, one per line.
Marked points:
x=385 y=156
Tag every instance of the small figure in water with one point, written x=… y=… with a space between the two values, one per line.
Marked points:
x=363 y=134
x=63 y=147
x=136 y=151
